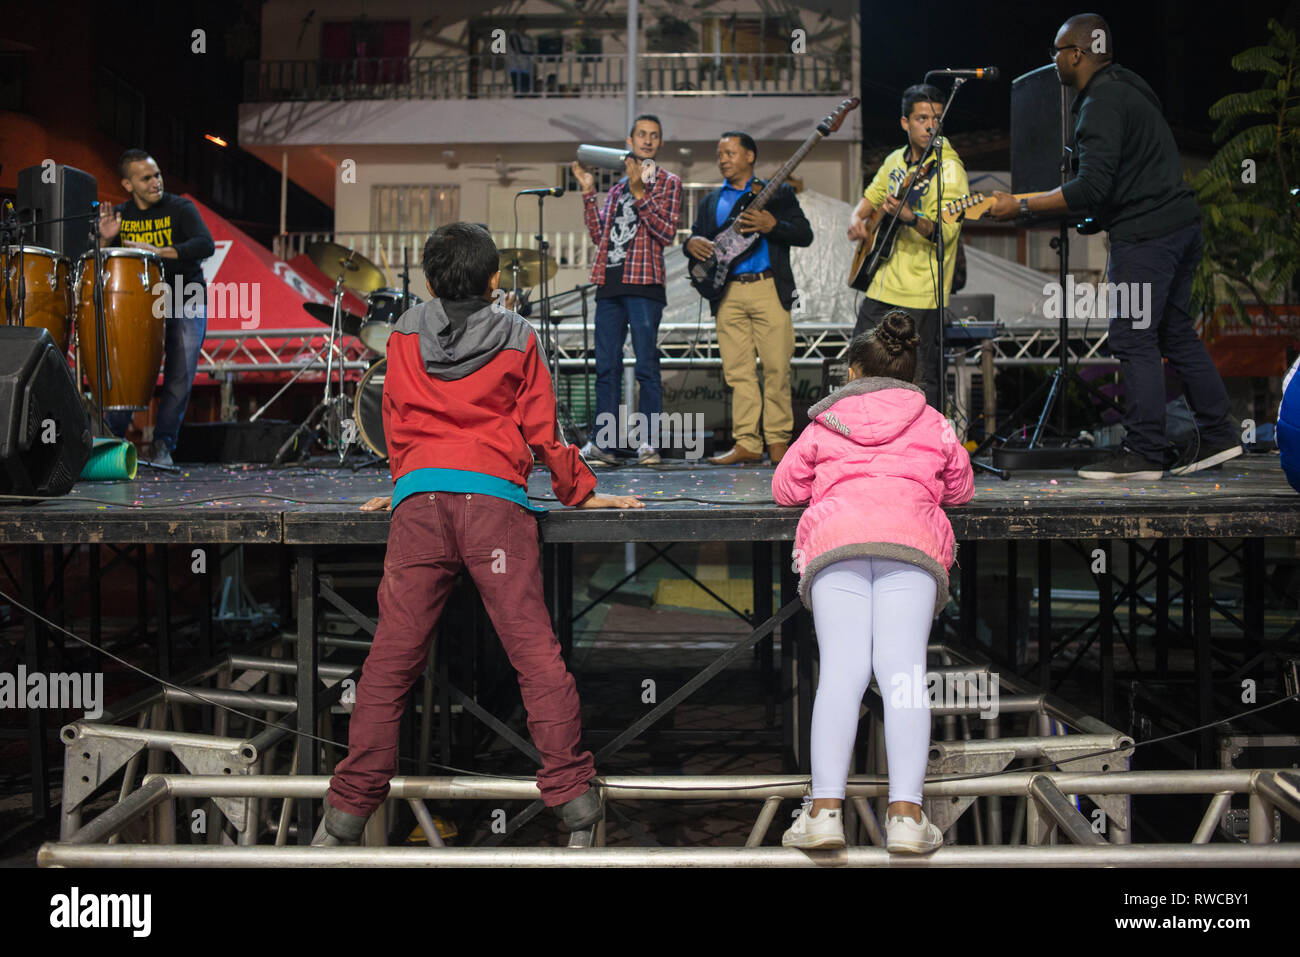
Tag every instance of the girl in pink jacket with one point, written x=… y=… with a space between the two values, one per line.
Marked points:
x=874 y=547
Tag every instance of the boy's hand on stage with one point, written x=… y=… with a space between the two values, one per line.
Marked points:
x=378 y=504
x=892 y=205
x=699 y=248
x=610 y=501
x=756 y=221
x=586 y=182
x=857 y=229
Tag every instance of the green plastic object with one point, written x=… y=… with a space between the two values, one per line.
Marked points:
x=110 y=460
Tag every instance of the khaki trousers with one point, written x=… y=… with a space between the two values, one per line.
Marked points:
x=751 y=321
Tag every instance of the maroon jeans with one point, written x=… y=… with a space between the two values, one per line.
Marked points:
x=434 y=535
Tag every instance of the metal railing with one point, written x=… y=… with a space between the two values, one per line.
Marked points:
x=566 y=76
x=571 y=248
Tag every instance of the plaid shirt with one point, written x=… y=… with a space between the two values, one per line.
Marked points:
x=657 y=228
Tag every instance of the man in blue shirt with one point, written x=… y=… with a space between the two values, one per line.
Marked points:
x=753 y=313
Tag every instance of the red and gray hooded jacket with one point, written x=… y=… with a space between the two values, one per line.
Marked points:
x=467 y=387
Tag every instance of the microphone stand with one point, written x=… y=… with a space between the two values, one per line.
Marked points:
x=550 y=338
x=941 y=308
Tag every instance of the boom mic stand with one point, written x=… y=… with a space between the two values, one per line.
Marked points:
x=941 y=307
x=550 y=336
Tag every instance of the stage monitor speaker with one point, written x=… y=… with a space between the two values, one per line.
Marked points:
x=1042 y=128
x=45 y=435
x=56 y=192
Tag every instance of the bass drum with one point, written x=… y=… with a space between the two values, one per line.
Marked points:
x=368 y=409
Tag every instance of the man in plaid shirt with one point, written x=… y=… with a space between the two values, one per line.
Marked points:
x=637 y=221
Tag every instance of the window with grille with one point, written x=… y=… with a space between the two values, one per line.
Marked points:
x=412 y=208
x=605 y=179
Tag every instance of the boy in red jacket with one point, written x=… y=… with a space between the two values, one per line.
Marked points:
x=467 y=394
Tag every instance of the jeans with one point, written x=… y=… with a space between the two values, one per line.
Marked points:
x=613 y=317
x=433 y=536
x=1162 y=270
x=184 y=338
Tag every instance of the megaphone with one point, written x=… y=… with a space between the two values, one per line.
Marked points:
x=603 y=157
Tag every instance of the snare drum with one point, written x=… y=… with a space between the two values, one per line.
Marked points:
x=47 y=291
x=134 y=325
x=383 y=308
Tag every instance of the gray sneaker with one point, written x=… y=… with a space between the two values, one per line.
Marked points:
x=339 y=828
x=597 y=457
x=583 y=811
x=159 y=454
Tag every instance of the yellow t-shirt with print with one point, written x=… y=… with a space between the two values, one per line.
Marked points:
x=907 y=277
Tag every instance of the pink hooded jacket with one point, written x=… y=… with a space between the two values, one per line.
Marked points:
x=876 y=464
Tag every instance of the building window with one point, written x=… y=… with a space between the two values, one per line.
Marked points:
x=404 y=208
x=605 y=179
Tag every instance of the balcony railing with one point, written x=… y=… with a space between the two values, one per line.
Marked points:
x=569 y=247
x=547 y=77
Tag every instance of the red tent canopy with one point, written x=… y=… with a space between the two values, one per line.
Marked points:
x=280 y=289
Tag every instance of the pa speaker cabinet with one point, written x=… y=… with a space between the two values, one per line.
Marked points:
x=45 y=435
x=1042 y=129
x=56 y=192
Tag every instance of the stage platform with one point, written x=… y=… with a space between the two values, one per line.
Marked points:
x=1249 y=498
x=311 y=516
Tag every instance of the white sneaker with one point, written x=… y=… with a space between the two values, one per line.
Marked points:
x=905 y=836
x=596 y=457
x=823 y=832
x=646 y=455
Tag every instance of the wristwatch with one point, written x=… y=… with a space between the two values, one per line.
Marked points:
x=1024 y=208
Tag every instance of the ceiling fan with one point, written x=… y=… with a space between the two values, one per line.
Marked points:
x=502 y=170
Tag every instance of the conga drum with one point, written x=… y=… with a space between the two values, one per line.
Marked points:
x=47 y=287
x=134 y=325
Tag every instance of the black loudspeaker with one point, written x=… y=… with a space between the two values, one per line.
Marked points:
x=1042 y=128
x=44 y=431
x=55 y=192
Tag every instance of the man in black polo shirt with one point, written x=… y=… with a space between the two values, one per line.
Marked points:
x=170 y=226
x=1129 y=179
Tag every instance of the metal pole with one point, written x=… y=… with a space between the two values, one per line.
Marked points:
x=1132 y=855
x=633 y=18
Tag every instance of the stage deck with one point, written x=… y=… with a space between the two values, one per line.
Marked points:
x=1248 y=498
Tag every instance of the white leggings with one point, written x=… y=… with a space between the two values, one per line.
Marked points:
x=872 y=615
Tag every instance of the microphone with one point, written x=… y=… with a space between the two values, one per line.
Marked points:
x=977 y=73
x=542 y=191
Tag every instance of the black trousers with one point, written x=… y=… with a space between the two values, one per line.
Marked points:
x=1157 y=276
x=873 y=311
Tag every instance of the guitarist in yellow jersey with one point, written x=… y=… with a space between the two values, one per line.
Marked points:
x=908 y=278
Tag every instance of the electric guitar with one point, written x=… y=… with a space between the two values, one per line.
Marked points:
x=881 y=230
x=710 y=275
x=975 y=205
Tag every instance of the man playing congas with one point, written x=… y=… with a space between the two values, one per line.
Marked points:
x=169 y=226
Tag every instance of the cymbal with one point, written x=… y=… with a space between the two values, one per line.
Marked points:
x=349 y=322
x=362 y=275
x=531 y=267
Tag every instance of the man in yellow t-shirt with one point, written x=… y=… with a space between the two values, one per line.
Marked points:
x=908 y=278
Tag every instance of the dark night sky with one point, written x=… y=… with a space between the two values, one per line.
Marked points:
x=1182 y=49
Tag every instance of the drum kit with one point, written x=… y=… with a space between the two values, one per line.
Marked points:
x=330 y=422
x=108 y=298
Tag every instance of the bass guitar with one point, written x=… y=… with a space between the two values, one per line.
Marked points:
x=881 y=229
x=710 y=275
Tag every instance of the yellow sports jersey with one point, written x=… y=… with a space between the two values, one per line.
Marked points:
x=907 y=277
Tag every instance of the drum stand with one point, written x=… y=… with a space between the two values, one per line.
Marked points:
x=340 y=428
